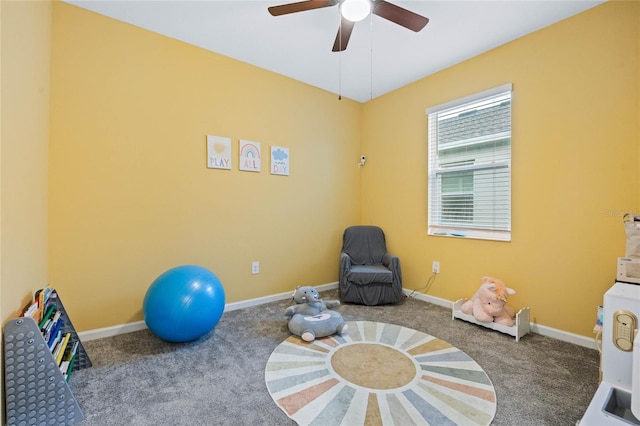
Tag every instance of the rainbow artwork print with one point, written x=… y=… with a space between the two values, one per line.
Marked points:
x=249 y=156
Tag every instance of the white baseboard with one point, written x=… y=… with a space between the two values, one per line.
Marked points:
x=565 y=336
x=140 y=325
x=99 y=333
x=431 y=299
x=266 y=299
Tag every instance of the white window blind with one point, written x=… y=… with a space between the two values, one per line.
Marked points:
x=470 y=166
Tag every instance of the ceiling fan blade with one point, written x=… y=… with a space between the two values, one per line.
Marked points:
x=300 y=6
x=342 y=38
x=400 y=16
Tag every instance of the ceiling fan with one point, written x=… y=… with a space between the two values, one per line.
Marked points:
x=353 y=11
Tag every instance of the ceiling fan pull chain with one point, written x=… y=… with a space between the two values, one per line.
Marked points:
x=340 y=60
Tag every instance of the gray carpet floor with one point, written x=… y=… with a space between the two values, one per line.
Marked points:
x=137 y=379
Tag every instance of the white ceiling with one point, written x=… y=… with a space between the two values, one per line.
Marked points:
x=381 y=56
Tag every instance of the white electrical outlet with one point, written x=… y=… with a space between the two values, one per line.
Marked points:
x=435 y=267
x=255 y=268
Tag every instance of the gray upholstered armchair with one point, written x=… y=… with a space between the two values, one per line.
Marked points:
x=368 y=274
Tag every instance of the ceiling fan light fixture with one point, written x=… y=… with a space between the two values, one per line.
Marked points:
x=355 y=10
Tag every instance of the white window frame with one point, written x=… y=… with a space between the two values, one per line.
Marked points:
x=437 y=217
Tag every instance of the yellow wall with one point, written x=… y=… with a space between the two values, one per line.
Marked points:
x=575 y=148
x=26 y=42
x=130 y=194
x=24 y=121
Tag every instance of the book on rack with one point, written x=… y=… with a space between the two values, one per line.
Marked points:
x=51 y=309
x=59 y=350
x=32 y=311
x=42 y=297
x=64 y=369
x=70 y=369
x=53 y=329
x=69 y=359
x=36 y=307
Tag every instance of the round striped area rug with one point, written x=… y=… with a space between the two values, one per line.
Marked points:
x=379 y=374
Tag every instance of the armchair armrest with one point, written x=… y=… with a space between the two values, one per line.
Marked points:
x=393 y=263
x=390 y=261
x=345 y=261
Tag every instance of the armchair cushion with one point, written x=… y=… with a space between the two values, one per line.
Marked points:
x=367 y=274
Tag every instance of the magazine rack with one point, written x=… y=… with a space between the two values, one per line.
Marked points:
x=36 y=391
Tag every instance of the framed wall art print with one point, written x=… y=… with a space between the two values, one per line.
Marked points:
x=218 y=152
x=279 y=161
x=249 y=156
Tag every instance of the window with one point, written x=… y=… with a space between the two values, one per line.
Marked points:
x=470 y=166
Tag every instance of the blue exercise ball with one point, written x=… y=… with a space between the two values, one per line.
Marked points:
x=184 y=303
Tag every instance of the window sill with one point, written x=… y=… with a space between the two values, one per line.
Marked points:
x=474 y=234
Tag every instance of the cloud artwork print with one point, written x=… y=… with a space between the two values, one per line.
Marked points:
x=279 y=161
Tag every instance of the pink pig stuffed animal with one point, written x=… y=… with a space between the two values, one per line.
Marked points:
x=489 y=303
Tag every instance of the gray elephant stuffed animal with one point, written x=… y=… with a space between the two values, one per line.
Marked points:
x=311 y=317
